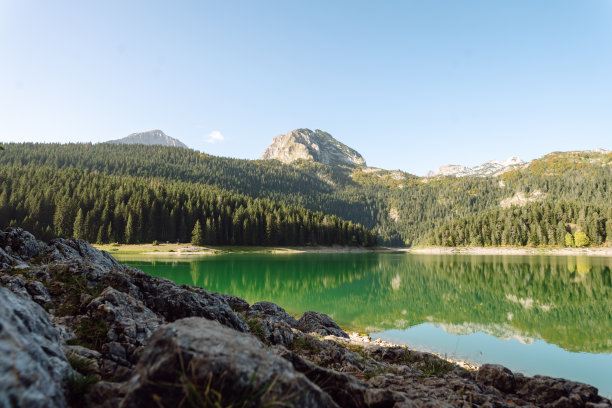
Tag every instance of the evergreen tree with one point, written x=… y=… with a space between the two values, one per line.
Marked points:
x=78 y=229
x=569 y=240
x=197 y=237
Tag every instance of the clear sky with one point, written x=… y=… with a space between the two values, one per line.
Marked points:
x=409 y=84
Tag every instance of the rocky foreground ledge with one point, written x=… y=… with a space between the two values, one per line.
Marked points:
x=79 y=329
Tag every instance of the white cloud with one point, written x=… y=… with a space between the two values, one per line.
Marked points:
x=215 y=137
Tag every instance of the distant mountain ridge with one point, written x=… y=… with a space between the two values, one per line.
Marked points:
x=316 y=146
x=151 y=137
x=488 y=168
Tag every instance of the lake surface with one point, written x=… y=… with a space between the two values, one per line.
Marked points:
x=549 y=315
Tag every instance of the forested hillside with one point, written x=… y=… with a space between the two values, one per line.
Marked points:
x=86 y=204
x=551 y=222
x=401 y=208
x=575 y=208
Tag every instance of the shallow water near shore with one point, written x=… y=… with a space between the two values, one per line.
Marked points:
x=549 y=315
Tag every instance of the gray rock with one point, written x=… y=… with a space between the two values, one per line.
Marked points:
x=15 y=283
x=271 y=312
x=237 y=304
x=38 y=292
x=63 y=249
x=546 y=390
x=319 y=323
x=33 y=367
x=319 y=146
x=130 y=320
x=176 y=302
x=6 y=261
x=236 y=365
x=346 y=390
x=274 y=333
x=130 y=324
x=88 y=356
x=19 y=243
x=496 y=376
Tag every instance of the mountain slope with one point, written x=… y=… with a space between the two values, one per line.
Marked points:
x=317 y=146
x=402 y=209
x=151 y=137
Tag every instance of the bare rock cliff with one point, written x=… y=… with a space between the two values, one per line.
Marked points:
x=311 y=145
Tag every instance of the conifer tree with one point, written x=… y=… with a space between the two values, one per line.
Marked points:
x=196 y=235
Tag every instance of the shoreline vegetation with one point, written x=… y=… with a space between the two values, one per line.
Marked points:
x=177 y=250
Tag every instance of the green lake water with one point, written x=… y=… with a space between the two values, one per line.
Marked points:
x=549 y=315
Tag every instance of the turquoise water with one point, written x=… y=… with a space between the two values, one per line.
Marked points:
x=549 y=315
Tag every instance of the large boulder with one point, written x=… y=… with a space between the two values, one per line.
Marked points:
x=19 y=243
x=271 y=312
x=33 y=367
x=201 y=359
x=346 y=390
x=319 y=323
x=129 y=322
x=271 y=323
x=176 y=302
x=497 y=376
x=63 y=249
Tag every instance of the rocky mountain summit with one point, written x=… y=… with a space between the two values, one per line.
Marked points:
x=489 y=168
x=79 y=329
x=317 y=146
x=151 y=137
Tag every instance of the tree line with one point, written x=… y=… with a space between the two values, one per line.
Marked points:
x=549 y=223
x=72 y=202
x=400 y=213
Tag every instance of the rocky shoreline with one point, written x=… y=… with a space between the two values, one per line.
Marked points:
x=79 y=329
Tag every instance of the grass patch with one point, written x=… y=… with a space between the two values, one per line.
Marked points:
x=437 y=368
x=66 y=290
x=305 y=345
x=374 y=372
x=91 y=333
x=81 y=365
x=78 y=386
x=256 y=329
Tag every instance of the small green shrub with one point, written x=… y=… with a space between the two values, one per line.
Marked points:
x=437 y=368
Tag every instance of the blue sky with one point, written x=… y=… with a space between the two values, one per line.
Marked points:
x=410 y=84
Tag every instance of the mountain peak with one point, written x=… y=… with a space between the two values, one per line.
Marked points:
x=151 y=137
x=317 y=146
x=488 y=168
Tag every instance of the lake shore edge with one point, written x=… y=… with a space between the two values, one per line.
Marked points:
x=187 y=250
x=103 y=334
x=588 y=251
x=192 y=250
